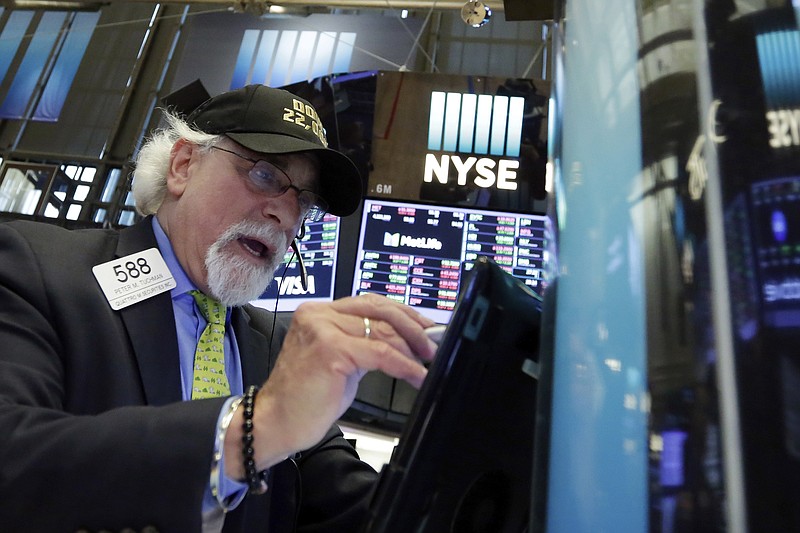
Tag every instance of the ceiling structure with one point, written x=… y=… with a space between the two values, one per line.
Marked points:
x=265 y=6
x=422 y=5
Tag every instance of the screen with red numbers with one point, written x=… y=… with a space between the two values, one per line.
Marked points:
x=417 y=253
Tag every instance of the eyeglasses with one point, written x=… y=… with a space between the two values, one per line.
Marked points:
x=273 y=182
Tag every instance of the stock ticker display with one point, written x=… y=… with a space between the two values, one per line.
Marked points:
x=417 y=254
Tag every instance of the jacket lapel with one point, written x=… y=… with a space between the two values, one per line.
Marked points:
x=151 y=328
x=253 y=349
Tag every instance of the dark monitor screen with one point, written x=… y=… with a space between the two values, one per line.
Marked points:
x=464 y=462
x=416 y=253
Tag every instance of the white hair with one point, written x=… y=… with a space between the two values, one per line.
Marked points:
x=152 y=163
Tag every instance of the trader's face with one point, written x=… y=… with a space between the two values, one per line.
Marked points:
x=228 y=234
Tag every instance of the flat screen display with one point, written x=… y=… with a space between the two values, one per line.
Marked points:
x=318 y=247
x=776 y=206
x=459 y=140
x=417 y=253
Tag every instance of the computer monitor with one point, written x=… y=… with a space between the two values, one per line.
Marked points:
x=464 y=462
x=416 y=253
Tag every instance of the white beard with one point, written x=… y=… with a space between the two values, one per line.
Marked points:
x=233 y=279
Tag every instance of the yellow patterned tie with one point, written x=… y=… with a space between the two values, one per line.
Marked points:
x=209 y=379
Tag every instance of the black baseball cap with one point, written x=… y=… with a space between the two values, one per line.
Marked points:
x=275 y=121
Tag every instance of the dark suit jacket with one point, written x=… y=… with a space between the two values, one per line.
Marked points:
x=93 y=432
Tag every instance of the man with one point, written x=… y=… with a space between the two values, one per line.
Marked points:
x=99 y=328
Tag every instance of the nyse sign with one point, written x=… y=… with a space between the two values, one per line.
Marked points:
x=488 y=172
x=485 y=129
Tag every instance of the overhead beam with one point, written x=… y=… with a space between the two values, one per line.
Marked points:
x=422 y=5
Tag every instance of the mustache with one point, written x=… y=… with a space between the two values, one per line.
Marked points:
x=267 y=233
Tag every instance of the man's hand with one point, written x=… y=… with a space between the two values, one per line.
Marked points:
x=324 y=355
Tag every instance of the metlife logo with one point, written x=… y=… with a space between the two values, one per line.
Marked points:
x=396 y=240
x=478 y=125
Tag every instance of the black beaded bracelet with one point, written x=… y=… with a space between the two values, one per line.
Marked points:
x=256 y=481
